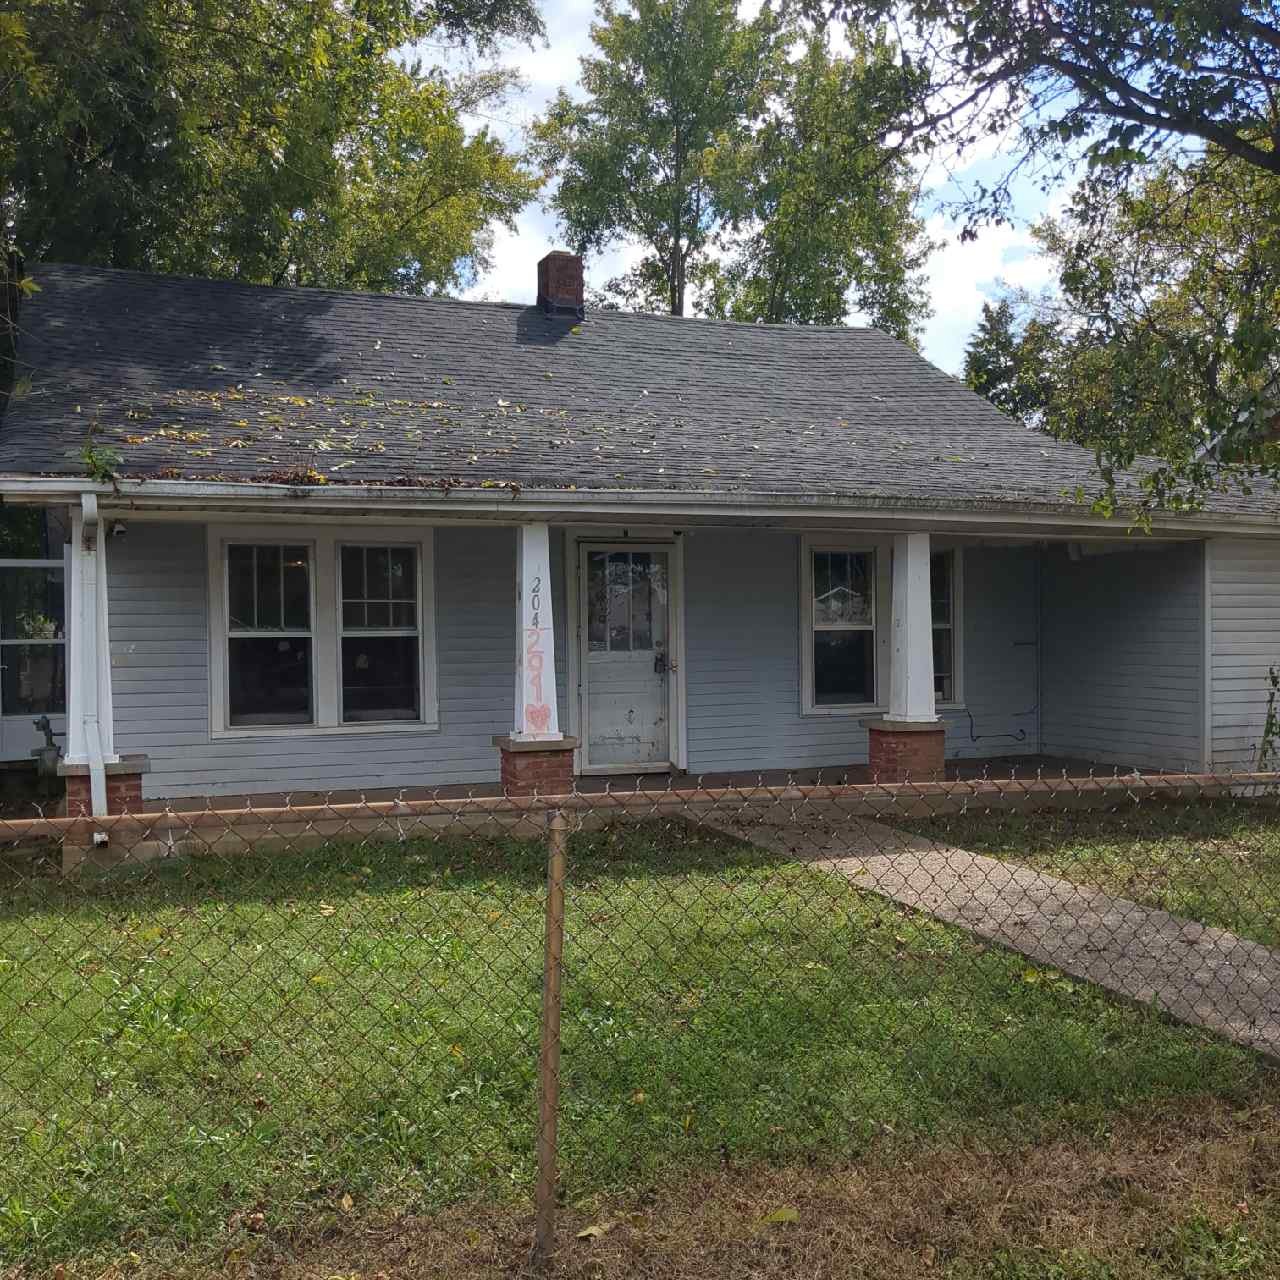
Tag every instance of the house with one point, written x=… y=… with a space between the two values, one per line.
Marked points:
x=315 y=540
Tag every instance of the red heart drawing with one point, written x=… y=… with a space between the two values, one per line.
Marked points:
x=538 y=717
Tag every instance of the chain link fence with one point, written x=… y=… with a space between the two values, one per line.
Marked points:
x=221 y=1030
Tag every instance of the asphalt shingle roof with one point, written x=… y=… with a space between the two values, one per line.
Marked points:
x=211 y=380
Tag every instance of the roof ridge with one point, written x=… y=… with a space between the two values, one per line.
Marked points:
x=443 y=299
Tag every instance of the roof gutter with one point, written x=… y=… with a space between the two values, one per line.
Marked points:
x=514 y=505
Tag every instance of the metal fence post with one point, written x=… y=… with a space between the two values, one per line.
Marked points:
x=549 y=1052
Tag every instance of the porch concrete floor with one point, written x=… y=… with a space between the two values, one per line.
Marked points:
x=1202 y=976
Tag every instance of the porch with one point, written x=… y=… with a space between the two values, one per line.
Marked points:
x=641 y=656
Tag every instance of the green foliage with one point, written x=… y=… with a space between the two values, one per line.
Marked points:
x=1010 y=363
x=1270 y=740
x=264 y=140
x=1217 y=862
x=188 y=1040
x=819 y=211
x=673 y=83
x=1169 y=307
x=743 y=157
x=1119 y=84
x=100 y=464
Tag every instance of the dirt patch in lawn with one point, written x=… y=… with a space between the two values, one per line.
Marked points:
x=1185 y=1190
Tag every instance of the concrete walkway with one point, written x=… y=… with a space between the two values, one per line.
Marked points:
x=1202 y=976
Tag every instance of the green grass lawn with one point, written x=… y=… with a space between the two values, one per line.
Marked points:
x=1216 y=861
x=186 y=1047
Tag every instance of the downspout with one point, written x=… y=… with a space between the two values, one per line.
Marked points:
x=88 y=673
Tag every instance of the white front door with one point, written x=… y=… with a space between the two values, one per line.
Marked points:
x=625 y=596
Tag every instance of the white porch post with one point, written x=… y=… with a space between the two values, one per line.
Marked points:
x=536 y=715
x=911 y=674
x=90 y=730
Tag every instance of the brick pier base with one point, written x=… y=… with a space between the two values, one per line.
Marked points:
x=904 y=751
x=124 y=785
x=536 y=768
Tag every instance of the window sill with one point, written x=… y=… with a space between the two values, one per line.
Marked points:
x=258 y=732
x=866 y=710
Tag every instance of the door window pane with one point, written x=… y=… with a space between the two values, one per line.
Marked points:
x=269 y=680
x=380 y=678
x=626 y=601
x=843 y=667
x=597 y=603
x=33 y=680
x=641 y=600
x=619 y=601
x=32 y=604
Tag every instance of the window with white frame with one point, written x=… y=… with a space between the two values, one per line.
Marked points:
x=842 y=627
x=943 y=569
x=845 y=625
x=322 y=633
x=33 y=629
x=33 y=640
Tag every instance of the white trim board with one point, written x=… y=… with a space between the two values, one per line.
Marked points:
x=199 y=501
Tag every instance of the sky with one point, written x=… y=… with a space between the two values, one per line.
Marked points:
x=960 y=275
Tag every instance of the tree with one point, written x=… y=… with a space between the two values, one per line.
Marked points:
x=1126 y=83
x=1168 y=306
x=671 y=85
x=1011 y=363
x=264 y=140
x=818 y=210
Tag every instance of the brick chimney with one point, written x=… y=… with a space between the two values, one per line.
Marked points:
x=560 y=284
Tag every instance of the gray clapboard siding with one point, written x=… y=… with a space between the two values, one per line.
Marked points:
x=160 y=682
x=1123 y=657
x=1244 y=612
x=743 y=658
x=1121 y=671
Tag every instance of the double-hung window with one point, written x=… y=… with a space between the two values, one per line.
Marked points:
x=269 y=649
x=844 y=628
x=845 y=625
x=381 y=649
x=844 y=604
x=323 y=633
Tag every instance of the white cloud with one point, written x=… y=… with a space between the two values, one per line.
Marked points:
x=962 y=276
